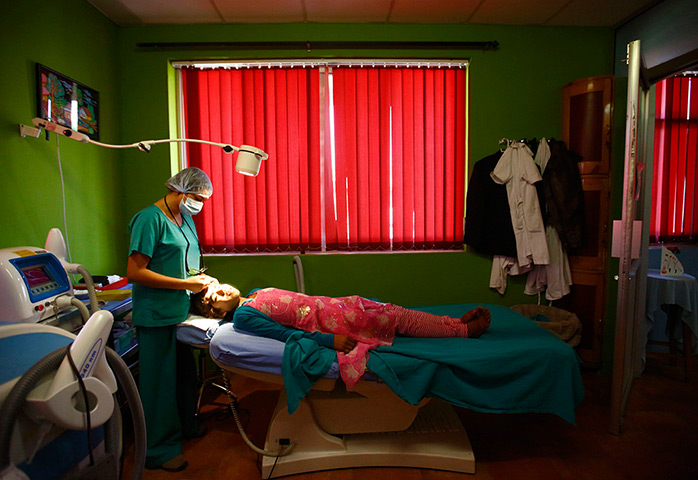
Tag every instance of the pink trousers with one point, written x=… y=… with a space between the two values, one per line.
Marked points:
x=413 y=323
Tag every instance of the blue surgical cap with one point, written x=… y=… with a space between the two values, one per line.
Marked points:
x=191 y=180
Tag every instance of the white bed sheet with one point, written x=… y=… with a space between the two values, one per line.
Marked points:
x=197 y=330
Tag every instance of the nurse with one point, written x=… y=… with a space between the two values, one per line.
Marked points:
x=164 y=265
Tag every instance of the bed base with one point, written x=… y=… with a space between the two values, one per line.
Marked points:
x=368 y=426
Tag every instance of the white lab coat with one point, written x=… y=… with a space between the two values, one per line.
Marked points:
x=518 y=172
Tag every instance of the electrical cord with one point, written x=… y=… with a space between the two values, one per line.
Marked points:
x=271 y=472
x=83 y=389
x=65 y=218
x=234 y=407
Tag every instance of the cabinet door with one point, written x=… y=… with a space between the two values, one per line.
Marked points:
x=587 y=299
x=593 y=254
x=586 y=122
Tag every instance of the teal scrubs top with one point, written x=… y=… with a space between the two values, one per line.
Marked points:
x=156 y=236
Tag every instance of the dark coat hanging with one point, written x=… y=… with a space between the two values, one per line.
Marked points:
x=488 y=227
x=564 y=198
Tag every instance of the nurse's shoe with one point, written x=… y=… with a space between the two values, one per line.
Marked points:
x=177 y=464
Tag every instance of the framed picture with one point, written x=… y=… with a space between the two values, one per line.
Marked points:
x=67 y=102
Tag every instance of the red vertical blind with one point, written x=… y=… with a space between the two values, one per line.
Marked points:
x=399 y=157
x=674 y=192
x=274 y=109
x=379 y=164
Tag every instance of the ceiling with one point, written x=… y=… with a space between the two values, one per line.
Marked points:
x=583 y=13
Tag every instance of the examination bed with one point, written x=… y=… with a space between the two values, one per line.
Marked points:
x=388 y=418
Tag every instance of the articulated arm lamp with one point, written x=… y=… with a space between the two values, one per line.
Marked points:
x=248 y=162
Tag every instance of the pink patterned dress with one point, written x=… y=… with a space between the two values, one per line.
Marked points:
x=370 y=323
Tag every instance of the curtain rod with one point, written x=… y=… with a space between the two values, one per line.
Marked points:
x=337 y=62
x=309 y=46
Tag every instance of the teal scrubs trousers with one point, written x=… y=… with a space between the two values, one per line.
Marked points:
x=166 y=366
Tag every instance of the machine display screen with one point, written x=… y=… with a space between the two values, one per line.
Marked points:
x=38 y=278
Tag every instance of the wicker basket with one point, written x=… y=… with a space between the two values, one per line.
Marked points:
x=563 y=324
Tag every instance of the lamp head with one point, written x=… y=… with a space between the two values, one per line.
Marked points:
x=249 y=160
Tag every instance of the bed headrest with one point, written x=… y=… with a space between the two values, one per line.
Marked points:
x=197 y=330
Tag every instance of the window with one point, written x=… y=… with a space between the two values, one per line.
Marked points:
x=361 y=157
x=674 y=189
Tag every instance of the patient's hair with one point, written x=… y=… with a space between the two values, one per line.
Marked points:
x=199 y=306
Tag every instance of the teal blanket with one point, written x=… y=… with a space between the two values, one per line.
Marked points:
x=515 y=367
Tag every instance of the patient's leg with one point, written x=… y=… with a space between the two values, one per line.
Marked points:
x=413 y=323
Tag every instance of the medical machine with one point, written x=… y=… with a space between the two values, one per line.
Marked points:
x=54 y=385
x=30 y=281
x=34 y=282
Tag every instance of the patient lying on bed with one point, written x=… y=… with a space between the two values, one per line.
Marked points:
x=351 y=325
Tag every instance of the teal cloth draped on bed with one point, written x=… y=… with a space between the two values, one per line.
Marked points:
x=515 y=367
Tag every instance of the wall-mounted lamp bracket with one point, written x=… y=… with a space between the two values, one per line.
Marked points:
x=27 y=131
x=248 y=162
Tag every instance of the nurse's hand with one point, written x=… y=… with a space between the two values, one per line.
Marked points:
x=343 y=343
x=198 y=282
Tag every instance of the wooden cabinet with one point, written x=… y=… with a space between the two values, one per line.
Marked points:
x=586 y=129
x=593 y=254
x=586 y=122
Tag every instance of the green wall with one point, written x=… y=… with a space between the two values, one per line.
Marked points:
x=72 y=38
x=515 y=92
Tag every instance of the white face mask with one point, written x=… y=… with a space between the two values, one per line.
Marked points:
x=189 y=206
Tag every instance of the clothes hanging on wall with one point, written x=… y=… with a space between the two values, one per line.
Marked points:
x=503 y=267
x=548 y=271
x=564 y=197
x=555 y=277
x=517 y=170
x=558 y=276
x=488 y=228
x=542 y=155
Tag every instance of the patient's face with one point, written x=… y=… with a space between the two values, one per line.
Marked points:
x=222 y=298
